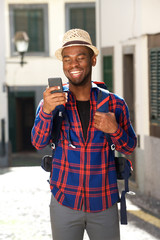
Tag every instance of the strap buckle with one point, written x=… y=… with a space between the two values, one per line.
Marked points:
x=131 y=193
x=113 y=147
x=60 y=114
x=53 y=146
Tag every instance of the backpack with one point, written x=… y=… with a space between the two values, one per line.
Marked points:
x=122 y=164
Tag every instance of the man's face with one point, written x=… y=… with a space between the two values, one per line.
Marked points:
x=77 y=64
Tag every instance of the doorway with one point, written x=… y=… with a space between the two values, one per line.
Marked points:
x=21 y=119
x=25 y=117
x=128 y=83
x=129 y=96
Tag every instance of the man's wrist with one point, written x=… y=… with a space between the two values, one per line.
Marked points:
x=46 y=111
x=117 y=133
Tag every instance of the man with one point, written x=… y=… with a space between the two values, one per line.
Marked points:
x=83 y=181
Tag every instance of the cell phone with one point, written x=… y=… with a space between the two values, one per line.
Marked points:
x=53 y=82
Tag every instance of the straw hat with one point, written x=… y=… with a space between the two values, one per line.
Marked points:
x=76 y=37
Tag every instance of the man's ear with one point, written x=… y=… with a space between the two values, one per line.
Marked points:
x=94 y=60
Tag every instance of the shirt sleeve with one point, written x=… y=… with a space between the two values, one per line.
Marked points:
x=124 y=138
x=40 y=134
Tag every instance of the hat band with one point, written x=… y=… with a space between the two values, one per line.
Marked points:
x=76 y=42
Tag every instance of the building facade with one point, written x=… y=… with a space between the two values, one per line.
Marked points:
x=129 y=39
x=45 y=22
x=128 y=35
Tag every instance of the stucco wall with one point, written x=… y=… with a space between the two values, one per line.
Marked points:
x=152 y=166
x=150 y=16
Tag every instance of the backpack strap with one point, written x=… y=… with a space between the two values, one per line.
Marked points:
x=56 y=127
x=57 y=123
x=102 y=100
x=103 y=106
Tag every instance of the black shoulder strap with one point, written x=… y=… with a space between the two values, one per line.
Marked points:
x=56 y=126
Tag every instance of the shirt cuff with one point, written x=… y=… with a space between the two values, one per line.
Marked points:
x=118 y=134
x=44 y=116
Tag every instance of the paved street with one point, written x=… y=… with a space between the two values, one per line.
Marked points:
x=24 y=209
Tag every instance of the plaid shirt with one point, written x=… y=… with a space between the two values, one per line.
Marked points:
x=84 y=173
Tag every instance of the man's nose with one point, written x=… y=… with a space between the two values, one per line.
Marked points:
x=74 y=62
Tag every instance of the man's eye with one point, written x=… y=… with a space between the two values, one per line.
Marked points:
x=81 y=58
x=66 y=60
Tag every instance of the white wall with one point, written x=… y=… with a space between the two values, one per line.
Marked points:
x=150 y=16
x=151 y=167
x=121 y=20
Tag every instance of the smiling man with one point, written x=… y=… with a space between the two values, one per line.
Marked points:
x=83 y=183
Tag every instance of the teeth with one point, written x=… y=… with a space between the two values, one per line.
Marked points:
x=75 y=72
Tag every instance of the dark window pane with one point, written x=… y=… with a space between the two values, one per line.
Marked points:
x=32 y=22
x=108 y=72
x=84 y=18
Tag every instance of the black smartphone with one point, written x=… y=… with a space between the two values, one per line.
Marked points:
x=53 y=82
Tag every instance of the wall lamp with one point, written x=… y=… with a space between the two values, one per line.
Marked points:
x=21 y=41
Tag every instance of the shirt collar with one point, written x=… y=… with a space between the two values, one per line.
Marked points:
x=66 y=86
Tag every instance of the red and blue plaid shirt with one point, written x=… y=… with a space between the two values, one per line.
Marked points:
x=84 y=173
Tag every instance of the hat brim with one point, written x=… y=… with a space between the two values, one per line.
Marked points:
x=58 y=53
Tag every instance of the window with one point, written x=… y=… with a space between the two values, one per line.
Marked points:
x=82 y=15
x=33 y=19
x=154 y=83
x=155 y=86
x=108 y=72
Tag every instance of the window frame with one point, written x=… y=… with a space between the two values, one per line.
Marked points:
x=44 y=7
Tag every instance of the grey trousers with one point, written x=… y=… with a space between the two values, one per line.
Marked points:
x=69 y=224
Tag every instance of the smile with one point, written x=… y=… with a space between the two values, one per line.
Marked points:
x=76 y=73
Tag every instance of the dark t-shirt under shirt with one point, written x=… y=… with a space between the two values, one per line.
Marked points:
x=83 y=108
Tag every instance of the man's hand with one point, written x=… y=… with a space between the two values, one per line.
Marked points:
x=105 y=122
x=52 y=100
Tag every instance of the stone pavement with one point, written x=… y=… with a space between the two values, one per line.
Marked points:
x=24 y=201
x=24 y=207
